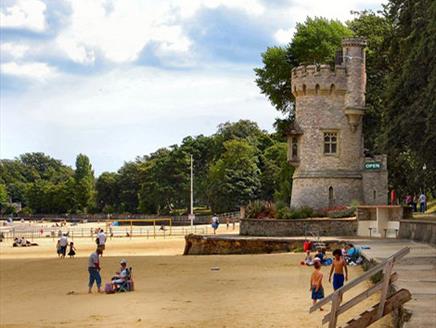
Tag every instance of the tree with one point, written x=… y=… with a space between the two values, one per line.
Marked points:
x=276 y=174
x=84 y=184
x=234 y=179
x=4 y=198
x=315 y=42
x=107 y=190
x=409 y=118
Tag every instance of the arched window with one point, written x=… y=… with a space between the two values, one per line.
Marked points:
x=332 y=89
x=294 y=148
x=304 y=89
x=331 y=197
x=374 y=194
x=317 y=89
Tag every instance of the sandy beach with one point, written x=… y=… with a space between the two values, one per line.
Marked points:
x=37 y=289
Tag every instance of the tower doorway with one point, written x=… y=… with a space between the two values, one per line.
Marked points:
x=331 y=198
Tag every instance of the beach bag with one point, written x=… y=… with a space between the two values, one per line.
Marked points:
x=97 y=241
x=108 y=288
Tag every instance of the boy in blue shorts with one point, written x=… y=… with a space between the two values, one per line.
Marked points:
x=339 y=266
x=316 y=283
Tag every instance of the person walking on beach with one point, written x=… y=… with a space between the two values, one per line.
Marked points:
x=94 y=270
x=72 y=250
x=63 y=243
x=101 y=237
x=316 y=283
x=215 y=223
x=340 y=267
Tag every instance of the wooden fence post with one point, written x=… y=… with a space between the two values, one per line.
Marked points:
x=385 y=289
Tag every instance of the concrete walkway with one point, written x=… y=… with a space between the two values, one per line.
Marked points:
x=417 y=273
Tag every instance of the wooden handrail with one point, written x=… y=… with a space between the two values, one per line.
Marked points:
x=348 y=305
x=398 y=255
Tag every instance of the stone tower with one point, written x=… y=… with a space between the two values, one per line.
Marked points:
x=325 y=143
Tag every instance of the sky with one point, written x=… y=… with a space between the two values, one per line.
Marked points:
x=119 y=79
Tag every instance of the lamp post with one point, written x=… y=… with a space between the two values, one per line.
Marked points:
x=191 y=215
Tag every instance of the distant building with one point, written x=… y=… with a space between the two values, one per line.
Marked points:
x=325 y=143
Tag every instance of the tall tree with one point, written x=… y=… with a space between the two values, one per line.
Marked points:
x=106 y=187
x=409 y=119
x=84 y=183
x=235 y=178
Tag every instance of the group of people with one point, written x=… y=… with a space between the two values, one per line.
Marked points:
x=22 y=242
x=62 y=245
x=117 y=281
x=350 y=253
x=413 y=202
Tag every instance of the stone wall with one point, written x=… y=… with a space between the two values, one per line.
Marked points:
x=323 y=226
x=423 y=231
x=375 y=182
x=234 y=244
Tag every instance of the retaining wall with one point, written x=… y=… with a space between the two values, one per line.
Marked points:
x=299 y=227
x=424 y=231
x=234 y=244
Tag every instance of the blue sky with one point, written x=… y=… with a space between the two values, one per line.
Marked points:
x=119 y=79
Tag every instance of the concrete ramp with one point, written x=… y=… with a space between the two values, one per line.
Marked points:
x=417 y=273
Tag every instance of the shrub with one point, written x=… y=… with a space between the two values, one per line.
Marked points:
x=345 y=213
x=260 y=210
x=294 y=213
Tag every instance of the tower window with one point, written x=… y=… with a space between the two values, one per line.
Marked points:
x=330 y=143
x=317 y=89
x=294 y=148
x=304 y=89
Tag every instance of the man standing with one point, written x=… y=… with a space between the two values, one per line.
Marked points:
x=101 y=240
x=422 y=202
x=63 y=242
x=94 y=270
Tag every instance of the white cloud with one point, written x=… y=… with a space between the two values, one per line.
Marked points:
x=26 y=14
x=283 y=36
x=14 y=50
x=37 y=71
x=121 y=32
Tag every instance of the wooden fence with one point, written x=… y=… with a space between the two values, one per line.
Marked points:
x=387 y=302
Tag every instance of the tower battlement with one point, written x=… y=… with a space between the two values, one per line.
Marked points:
x=322 y=80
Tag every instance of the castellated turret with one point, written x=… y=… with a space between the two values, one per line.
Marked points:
x=325 y=141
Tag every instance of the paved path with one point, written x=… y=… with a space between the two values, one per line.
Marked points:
x=417 y=273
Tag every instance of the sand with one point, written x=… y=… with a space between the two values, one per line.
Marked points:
x=171 y=290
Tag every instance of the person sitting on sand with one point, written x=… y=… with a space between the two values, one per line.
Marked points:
x=120 y=276
x=339 y=266
x=309 y=259
x=72 y=250
x=94 y=270
x=316 y=283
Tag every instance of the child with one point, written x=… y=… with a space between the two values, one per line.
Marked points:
x=72 y=251
x=308 y=260
x=316 y=283
x=339 y=266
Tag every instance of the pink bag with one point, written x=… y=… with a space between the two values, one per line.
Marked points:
x=108 y=288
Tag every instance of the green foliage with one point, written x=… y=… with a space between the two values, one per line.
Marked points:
x=316 y=41
x=84 y=184
x=409 y=118
x=274 y=79
x=107 y=192
x=287 y=213
x=4 y=197
x=235 y=178
x=343 y=213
